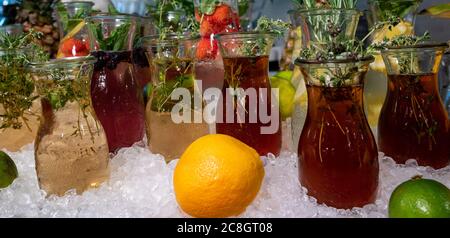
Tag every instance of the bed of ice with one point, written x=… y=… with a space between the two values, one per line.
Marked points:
x=141 y=186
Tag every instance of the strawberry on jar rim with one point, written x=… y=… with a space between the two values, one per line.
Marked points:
x=73 y=47
x=207 y=49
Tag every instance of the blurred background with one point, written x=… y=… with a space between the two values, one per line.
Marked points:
x=438 y=27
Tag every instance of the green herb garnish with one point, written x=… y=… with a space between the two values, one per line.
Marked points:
x=16 y=87
x=116 y=40
x=264 y=25
x=321 y=4
x=70 y=22
x=173 y=17
x=389 y=8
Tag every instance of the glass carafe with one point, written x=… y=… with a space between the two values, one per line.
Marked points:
x=19 y=111
x=338 y=157
x=314 y=30
x=209 y=68
x=246 y=95
x=413 y=122
x=71 y=149
x=72 y=27
x=172 y=63
x=116 y=95
x=375 y=86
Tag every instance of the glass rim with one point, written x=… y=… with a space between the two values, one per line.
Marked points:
x=322 y=11
x=100 y=17
x=62 y=63
x=155 y=39
x=244 y=34
x=90 y=3
x=377 y=1
x=422 y=45
x=367 y=59
x=170 y=11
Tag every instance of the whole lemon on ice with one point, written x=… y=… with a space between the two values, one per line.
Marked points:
x=217 y=176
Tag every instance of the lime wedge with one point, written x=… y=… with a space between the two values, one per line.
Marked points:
x=8 y=170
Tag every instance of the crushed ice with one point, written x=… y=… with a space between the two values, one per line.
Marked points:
x=141 y=186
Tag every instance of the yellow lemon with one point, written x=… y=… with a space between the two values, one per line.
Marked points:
x=217 y=176
x=378 y=65
x=403 y=28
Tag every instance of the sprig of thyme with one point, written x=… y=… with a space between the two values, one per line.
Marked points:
x=16 y=87
x=341 y=47
x=402 y=40
x=265 y=25
x=186 y=23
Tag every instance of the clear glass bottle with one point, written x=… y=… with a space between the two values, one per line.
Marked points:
x=71 y=148
x=246 y=63
x=172 y=67
x=73 y=33
x=338 y=157
x=116 y=94
x=413 y=122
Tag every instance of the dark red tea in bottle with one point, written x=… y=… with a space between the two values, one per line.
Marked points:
x=245 y=73
x=117 y=99
x=339 y=157
x=413 y=123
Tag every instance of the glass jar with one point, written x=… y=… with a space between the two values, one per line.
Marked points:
x=413 y=122
x=209 y=68
x=116 y=95
x=381 y=10
x=321 y=26
x=247 y=110
x=338 y=157
x=375 y=87
x=19 y=111
x=71 y=148
x=74 y=36
x=172 y=63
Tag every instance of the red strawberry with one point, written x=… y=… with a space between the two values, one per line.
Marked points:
x=236 y=22
x=223 y=15
x=207 y=49
x=207 y=28
x=87 y=44
x=73 y=47
x=198 y=16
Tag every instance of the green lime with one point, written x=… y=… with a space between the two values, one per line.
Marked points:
x=287 y=75
x=8 y=170
x=420 y=198
x=286 y=96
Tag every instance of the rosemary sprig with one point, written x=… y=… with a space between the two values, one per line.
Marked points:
x=317 y=4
